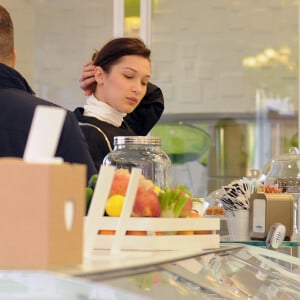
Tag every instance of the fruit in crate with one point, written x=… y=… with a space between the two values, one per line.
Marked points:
x=175 y=202
x=150 y=201
x=114 y=205
x=89 y=190
x=88 y=196
x=146 y=203
x=120 y=182
x=187 y=208
x=92 y=181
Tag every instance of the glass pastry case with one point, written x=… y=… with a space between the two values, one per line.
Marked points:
x=241 y=272
x=233 y=271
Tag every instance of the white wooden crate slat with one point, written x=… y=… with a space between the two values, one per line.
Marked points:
x=162 y=242
x=162 y=224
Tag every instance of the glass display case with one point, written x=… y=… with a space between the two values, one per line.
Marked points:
x=241 y=272
x=230 y=272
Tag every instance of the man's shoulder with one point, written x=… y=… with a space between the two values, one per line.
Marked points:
x=18 y=99
x=20 y=96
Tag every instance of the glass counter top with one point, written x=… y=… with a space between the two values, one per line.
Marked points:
x=259 y=243
x=247 y=272
x=38 y=285
x=231 y=272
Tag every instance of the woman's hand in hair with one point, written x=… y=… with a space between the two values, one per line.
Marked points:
x=87 y=79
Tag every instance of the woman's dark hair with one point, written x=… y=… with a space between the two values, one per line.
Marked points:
x=111 y=52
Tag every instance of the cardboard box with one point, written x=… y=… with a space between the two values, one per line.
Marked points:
x=35 y=199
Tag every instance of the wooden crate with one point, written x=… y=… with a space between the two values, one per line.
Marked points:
x=167 y=238
x=167 y=227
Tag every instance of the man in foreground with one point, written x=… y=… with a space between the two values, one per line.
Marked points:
x=18 y=103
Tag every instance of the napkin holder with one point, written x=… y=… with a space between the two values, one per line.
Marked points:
x=267 y=209
x=41 y=216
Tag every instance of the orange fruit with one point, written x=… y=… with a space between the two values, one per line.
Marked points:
x=185 y=232
x=203 y=232
x=107 y=232
x=136 y=232
x=159 y=233
x=194 y=214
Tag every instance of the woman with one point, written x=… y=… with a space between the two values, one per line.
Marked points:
x=122 y=102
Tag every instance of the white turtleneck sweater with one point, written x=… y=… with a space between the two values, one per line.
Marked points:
x=102 y=111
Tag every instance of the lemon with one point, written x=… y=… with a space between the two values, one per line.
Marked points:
x=157 y=189
x=114 y=205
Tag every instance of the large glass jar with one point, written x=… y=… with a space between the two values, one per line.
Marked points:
x=142 y=152
x=283 y=173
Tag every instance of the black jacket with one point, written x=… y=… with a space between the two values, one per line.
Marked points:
x=139 y=122
x=18 y=104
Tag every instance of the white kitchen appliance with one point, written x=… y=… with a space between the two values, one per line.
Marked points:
x=267 y=209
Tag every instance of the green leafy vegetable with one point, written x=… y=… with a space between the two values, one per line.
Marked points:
x=173 y=200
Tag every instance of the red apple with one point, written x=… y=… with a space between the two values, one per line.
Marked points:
x=146 y=203
x=146 y=183
x=120 y=182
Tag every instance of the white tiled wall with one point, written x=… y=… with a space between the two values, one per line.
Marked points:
x=198 y=48
x=54 y=38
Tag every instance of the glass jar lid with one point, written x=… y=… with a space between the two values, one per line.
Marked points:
x=285 y=165
x=292 y=155
x=141 y=140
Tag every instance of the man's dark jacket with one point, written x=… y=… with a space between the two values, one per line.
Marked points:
x=18 y=103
